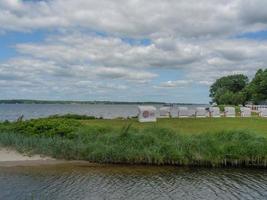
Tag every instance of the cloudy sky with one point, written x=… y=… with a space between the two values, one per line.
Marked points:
x=127 y=50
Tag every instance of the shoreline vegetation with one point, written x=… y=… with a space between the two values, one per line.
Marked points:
x=223 y=142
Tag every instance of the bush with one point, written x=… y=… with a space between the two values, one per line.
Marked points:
x=72 y=116
x=44 y=127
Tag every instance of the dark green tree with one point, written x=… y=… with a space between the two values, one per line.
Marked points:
x=230 y=90
x=257 y=88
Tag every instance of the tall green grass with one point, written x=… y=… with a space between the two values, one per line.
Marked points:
x=72 y=139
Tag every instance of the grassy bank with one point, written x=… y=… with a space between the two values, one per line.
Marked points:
x=201 y=142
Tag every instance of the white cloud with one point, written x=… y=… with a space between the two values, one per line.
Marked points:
x=111 y=51
x=79 y=57
x=135 y=18
x=196 y=37
x=11 y=4
x=175 y=84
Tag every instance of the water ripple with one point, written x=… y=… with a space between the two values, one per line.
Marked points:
x=124 y=182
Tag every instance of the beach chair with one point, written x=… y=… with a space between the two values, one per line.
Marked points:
x=200 y=112
x=165 y=112
x=147 y=114
x=215 y=112
x=245 y=112
x=263 y=112
x=183 y=112
x=229 y=112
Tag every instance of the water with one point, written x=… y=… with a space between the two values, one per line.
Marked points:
x=13 y=111
x=136 y=182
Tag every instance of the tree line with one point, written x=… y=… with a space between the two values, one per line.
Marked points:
x=237 y=89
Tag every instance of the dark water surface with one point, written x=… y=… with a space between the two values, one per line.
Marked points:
x=125 y=182
x=13 y=111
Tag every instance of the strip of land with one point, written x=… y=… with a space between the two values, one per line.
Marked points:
x=198 y=142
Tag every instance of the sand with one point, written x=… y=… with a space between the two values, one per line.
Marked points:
x=10 y=157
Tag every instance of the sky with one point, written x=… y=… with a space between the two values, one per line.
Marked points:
x=127 y=50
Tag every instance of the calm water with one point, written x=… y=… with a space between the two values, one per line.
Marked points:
x=124 y=182
x=13 y=111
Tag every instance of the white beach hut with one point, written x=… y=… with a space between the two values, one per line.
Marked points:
x=263 y=112
x=229 y=111
x=245 y=112
x=215 y=112
x=165 y=112
x=201 y=112
x=183 y=112
x=147 y=114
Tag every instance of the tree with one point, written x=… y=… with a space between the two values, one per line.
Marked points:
x=230 y=90
x=257 y=89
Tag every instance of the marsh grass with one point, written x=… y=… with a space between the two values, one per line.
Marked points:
x=132 y=143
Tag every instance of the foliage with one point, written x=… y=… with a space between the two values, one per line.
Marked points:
x=236 y=89
x=229 y=90
x=257 y=88
x=72 y=116
x=43 y=127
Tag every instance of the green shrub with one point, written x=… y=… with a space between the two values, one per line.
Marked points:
x=45 y=127
x=72 y=116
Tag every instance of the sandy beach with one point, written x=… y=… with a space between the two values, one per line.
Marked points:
x=10 y=157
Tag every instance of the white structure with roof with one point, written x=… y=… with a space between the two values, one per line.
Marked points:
x=201 y=112
x=263 y=112
x=191 y=112
x=147 y=114
x=165 y=112
x=229 y=111
x=245 y=112
x=215 y=112
x=183 y=112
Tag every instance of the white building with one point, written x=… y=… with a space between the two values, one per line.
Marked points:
x=165 y=112
x=263 y=112
x=215 y=112
x=229 y=111
x=201 y=112
x=245 y=112
x=183 y=112
x=147 y=114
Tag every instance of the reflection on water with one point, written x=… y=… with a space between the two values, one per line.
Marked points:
x=125 y=182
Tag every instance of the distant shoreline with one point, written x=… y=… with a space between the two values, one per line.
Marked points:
x=26 y=101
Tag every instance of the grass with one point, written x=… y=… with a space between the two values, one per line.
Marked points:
x=190 y=125
x=199 y=142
